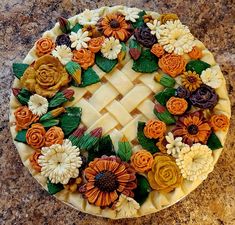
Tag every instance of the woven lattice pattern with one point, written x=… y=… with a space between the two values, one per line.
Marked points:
x=118 y=102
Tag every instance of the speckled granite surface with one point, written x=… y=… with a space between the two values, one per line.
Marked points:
x=22 y=200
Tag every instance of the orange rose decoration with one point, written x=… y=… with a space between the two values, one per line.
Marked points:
x=95 y=44
x=219 y=122
x=142 y=161
x=196 y=53
x=35 y=136
x=24 y=118
x=44 y=46
x=154 y=129
x=84 y=57
x=172 y=64
x=34 y=161
x=157 y=50
x=54 y=135
x=177 y=106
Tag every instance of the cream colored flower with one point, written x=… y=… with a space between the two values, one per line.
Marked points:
x=174 y=145
x=155 y=28
x=211 y=77
x=195 y=162
x=63 y=53
x=130 y=14
x=60 y=162
x=88 y=17
x=176 y=37
x=111 y=47
x=38 y=105
x=126 y=206
x=79 y=40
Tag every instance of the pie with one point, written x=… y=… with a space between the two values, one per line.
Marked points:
x=119 y=112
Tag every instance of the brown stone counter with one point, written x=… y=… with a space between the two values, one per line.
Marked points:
x=23 y=201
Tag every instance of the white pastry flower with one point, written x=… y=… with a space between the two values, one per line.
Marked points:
x=110 y=48
x=37 y=104
x=174 y=145
x=63 y=53
x=79 y=40
x=155 y=28
x=131 y=14
x=88 y=17
x=195 y=162
x=176 y=37
x=60 y=162
x=211 y=77
x=126 y=206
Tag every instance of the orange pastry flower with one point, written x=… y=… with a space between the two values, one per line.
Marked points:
x=24 y=118
x=219 y=122
x=115 y=25
x=142 y=161
x=106 y=177
x=165 y=175
x=172 y=64
x=35 y=136
x=34 y=161
x=157 y=50
x=95 y=44
x=167 y=17
x=44 y=46
x=92 y=31
x=45 y=77
x=54 y=135
x=154 y=129
x=193 y=128
x=177 y=106
x=84 y=57
x=161 y=144
x=191 y=80
x=196 y=53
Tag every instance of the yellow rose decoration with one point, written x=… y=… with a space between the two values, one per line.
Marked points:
x=45 y=77
x=165 y=175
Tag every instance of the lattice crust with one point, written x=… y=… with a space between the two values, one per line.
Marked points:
x=123 y=98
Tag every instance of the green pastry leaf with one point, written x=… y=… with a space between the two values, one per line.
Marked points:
x=143 y=189
x=105 y=64
x=163 y=96
x=213 y=142
x=70 y=120
x=76 y=28
x=146 y=143
x=21 y=136
x=134 y=49
x=146 y=63
x=74 y=70
x=124 y=150
x=50 y=123
x=197 y=65
x=165 y=117
x=19 y=69
x=54 y=188
x=89 y=77
x=140 y=21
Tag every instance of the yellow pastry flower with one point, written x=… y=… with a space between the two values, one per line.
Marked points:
x=45 y=77
x=165 y=175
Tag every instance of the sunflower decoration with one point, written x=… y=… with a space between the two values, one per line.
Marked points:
x=191 y=80
x=115 y=25
x=193 y=128
x=107 y=177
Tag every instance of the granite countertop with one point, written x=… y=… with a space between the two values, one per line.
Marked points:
x=23 y=201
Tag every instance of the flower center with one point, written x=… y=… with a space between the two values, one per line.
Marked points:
x=106 y=181
x=191 y=79
x=114 y=24
x=193 y=129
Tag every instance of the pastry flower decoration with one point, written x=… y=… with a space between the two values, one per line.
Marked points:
x=63 y=53
x=176 y=37
x=155 y=28
x=88 y=17
x=60 y=162
x=130 y=14
x=38 y=104
x=126 y=206
x=211 y=77
x=195 y=162
x=79 y=40
x=111 y=48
